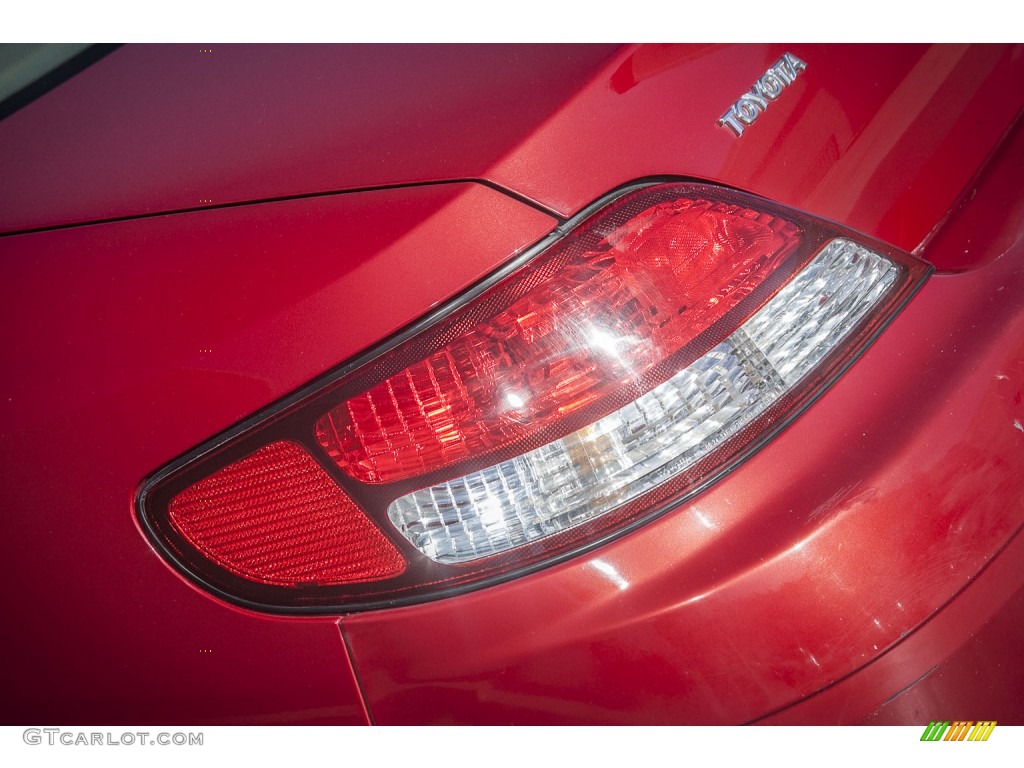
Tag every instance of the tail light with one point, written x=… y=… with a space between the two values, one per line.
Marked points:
x=656 y=342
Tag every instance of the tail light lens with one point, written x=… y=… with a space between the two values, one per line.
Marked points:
x=593 y=384
x=595 y=316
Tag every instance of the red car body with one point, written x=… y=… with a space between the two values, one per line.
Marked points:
x=190 y=234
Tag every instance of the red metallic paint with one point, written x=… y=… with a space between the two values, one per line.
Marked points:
x=128 y=343
x=966 y=660
x=828 y=572
x=167 y=127
x=880 y=138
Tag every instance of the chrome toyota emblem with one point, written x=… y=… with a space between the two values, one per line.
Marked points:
x=745 y=111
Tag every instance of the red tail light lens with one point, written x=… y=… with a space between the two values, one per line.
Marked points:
x=594 y=384
x=600 y=314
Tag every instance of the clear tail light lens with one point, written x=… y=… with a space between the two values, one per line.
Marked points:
x=580 y=391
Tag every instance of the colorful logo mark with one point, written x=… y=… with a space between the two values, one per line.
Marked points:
x=959 y=730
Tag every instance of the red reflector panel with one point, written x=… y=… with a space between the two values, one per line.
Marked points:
x=601 y=312
x=277 y=518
